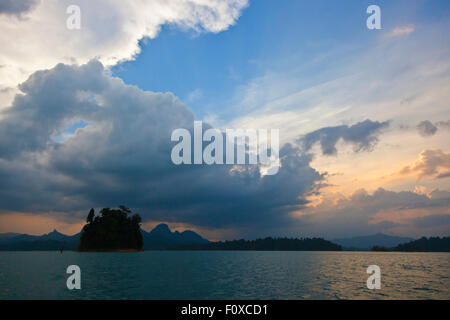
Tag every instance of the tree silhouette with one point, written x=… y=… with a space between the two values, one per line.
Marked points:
x=113 y=230
x=90 y=217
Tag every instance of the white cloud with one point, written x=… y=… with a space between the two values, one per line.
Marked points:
x=194 y=96
x=400 y=31
x=110 y=31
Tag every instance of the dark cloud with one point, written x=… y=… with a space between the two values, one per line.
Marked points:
x=362 y=135
x=17 y=7
x=123 y=157
x=432 y=221
x=443 y=175
x=426 y=128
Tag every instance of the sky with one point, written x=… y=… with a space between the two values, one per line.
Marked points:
x=86 y=115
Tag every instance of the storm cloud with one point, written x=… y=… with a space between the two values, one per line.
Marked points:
x=122 y=156
x=17 y=7
x=433 y=221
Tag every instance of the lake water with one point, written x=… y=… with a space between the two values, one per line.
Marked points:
x=224 y=275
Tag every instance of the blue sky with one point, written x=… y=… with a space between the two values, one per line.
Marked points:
x=205 y=69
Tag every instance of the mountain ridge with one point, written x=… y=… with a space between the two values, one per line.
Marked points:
x=161 y=237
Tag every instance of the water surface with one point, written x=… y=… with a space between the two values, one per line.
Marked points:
x=224 y=275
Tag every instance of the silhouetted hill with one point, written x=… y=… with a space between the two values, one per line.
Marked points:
x=162 y=238
x=368 y=242
x=270 y=244
x=8 y=235
x=432 y=244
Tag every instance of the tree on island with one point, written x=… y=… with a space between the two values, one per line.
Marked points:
x=91 y=215
x=113 y=229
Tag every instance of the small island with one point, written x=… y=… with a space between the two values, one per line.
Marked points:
x=113 y=230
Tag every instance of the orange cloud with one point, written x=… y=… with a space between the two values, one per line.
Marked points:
x=430 y=163
x=36 y=224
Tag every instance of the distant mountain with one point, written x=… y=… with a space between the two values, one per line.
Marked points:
x=432 y=244
x=55 y=235
x=162 y=238
x=50 y=241
x=368 y=242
